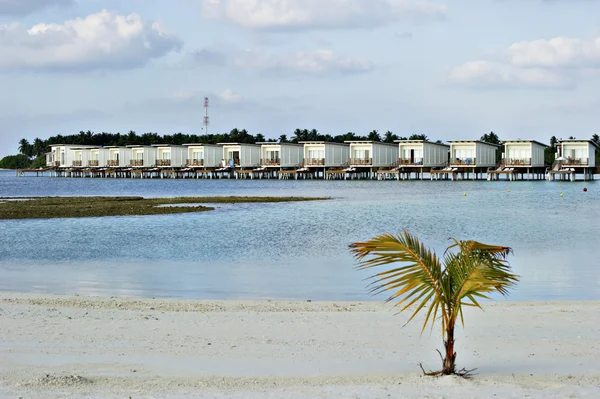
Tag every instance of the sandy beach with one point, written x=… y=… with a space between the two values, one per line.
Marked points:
x=73 y=346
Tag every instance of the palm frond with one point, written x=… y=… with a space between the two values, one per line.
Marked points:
x=476 y=271
x=416 y=283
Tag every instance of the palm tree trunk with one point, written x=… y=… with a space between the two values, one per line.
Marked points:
x=450 y=359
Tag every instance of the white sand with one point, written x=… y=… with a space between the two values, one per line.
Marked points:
x=59 y=346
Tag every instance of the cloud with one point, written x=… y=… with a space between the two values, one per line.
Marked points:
x=229 y=96
x=19 y=8
x=532 y=64
x=104 y=40
x=556 y=53
x=304 y=62
x=307 y=14
x=317 y=62
x=486 y=74
x=209 y=57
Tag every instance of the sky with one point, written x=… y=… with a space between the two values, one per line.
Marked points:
x=525 y=69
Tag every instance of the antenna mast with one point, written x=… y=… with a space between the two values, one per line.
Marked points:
x=206 y=119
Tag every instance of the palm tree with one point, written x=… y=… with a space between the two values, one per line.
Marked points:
x=467 y=272
x=25 y=147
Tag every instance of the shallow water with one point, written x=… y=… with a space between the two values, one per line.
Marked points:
x=295 y=250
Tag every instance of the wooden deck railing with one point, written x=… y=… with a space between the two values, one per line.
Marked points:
x=270 y=162
x=516 y=162
x=236 y=162
x=163 y=162
x=136 y=162
x=194 y=162
x=77 y=163
x=112 y=162
x=361 y=161
x=576 y=161
x=464 y=161
x=409 y=161
x=314 y=161
x=94 y=163
x=57 y=163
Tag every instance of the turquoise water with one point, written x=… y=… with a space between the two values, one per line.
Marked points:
x=295 y=250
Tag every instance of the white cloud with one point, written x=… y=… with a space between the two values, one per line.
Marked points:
x=304 y=62
x=533 y=64
x=302 y=14
x=556 y=52
x=24 y=7
x=104 y=40
x=317 y=62
x=487 y=74
x=229 y=96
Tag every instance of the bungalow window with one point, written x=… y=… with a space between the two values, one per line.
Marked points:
x=139 y=156
x=316 y=154
x=463 y=154
x=361 y=154
x=198 y=155
x=166 y=155
x=272 y=155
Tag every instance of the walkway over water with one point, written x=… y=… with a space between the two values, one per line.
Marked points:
x=560 y=172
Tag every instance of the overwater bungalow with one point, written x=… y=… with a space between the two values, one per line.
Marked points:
x=167 y=155
x=241 y=155
x=522 y=159
x=472 y=156
x=61 y=155
x=372 y=154
x=281 y=155
x=118 y=156
x=523 y=154
x=203 y=155
x=420 y=156
x=574 y=157
x=143 y=156
x=98 y=157
x=323 y=154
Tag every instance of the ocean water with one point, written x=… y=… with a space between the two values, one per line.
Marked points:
x=295 y=250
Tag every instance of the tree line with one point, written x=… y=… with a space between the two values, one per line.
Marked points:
x=31 y=154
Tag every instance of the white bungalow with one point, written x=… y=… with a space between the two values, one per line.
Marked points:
x=62 y=155
x=325 y=154
x=174 y=156
x=203 y=155
x=472 y=153
x=577 y=153
x=523 y=153
x=142 y=156
x=118 y=156
x=241 y=155
x=372 y=154
x=421 y=153
x=281 y=155
x=98 y=157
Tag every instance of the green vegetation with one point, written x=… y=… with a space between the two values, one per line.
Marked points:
x=15 y=162
x=77 y=207
x=39 y=146
x=467 y=272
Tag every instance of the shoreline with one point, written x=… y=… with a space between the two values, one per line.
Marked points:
x=73 y=346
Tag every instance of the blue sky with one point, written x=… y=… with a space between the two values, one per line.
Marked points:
x=448 y=69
